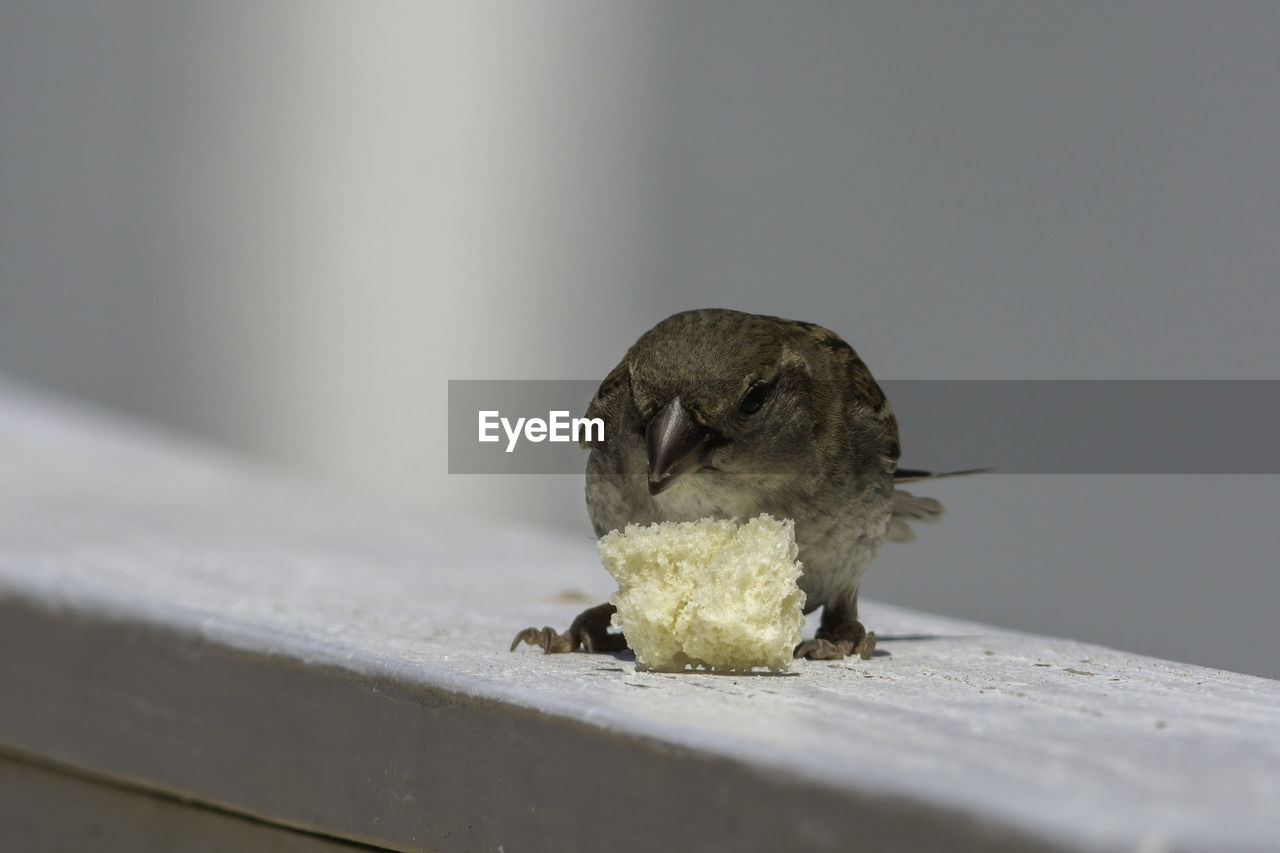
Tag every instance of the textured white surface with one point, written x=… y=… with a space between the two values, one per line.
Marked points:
x=1074 y=743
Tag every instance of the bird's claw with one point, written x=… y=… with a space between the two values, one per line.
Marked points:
x=547 y=639
x=839 y=644
x=590 y=630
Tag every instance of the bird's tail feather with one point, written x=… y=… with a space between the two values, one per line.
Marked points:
x=912 y=475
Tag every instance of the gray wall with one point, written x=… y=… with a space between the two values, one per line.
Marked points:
x=283 y=226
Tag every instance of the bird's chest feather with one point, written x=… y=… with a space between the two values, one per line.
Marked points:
x=618 y=496
x=705 y=495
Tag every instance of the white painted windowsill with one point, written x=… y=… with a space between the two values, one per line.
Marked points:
x=262 y=655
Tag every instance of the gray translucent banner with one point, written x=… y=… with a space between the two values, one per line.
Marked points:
x=1014 y=426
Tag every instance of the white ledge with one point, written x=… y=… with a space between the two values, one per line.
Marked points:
x=175 y=623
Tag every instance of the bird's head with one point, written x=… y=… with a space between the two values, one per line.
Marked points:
x=720 y=391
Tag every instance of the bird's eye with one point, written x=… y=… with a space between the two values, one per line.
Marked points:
x=754 y=398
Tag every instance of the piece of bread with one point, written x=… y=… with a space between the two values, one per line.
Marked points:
x=707 y=594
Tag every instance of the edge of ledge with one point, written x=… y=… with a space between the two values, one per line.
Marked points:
x=408 y=766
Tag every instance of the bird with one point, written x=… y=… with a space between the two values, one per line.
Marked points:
x=724 y=414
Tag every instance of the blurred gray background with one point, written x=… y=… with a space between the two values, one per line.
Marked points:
x=281 y=227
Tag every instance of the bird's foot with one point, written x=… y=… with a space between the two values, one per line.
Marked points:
x=590 y=630
x=849 y=638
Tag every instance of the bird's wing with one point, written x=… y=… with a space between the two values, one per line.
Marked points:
x=907 y=507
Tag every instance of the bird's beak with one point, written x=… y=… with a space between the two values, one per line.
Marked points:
x=675 y=443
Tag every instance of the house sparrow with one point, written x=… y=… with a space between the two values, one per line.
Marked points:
x=726 y=414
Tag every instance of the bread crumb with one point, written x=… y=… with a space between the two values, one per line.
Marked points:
x=707 y=594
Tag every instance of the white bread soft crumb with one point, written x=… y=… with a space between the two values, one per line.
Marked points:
x=707 y=594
